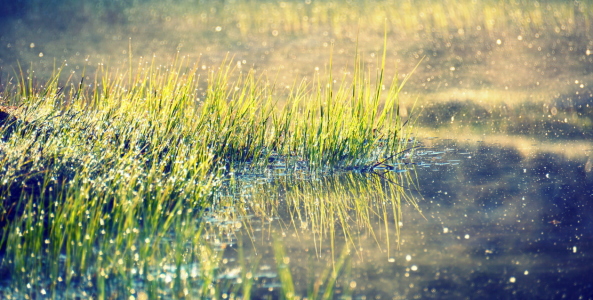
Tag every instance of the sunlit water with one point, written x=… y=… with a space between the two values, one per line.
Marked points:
x=494 y=220
x=495 y=224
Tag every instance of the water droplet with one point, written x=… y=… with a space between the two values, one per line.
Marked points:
x=408 y=257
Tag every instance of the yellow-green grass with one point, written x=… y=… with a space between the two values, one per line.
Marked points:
x=506 y=56
x=105 y=181
x=119 y=166
x=293 y=33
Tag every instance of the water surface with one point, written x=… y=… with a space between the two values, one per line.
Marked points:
x=497 y=206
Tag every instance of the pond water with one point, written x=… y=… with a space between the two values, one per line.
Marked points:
x=495 y=223
x=496 y=203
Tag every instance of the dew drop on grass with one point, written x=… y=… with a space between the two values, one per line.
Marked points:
x=408 y=257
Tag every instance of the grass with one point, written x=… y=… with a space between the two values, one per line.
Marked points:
x=115 y=183
x=510 y=56
x=106 y=182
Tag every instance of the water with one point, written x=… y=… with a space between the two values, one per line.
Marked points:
x=498 y=225
x=503 y=194
x=502 y=225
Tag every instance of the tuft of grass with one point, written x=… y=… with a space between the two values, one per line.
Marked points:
x=106 y=183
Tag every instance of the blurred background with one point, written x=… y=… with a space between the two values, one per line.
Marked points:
x=506 y=85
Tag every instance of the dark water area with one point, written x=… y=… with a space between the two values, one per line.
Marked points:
x=494 y=223
x=504 y=226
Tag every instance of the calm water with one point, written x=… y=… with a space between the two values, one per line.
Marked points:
x=494 y=225
x=505 y=212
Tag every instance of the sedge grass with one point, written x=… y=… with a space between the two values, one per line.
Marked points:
x=109 y=179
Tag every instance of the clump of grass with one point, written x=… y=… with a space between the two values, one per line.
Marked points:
x=105 y=184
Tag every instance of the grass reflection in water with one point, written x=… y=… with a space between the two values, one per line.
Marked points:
x=119 y=188
x=331 y=217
